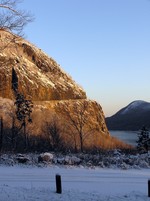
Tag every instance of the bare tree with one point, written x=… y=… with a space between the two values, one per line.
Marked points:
x=53 y=130
x=78 y=118
x=14 y=20
x=11 y=18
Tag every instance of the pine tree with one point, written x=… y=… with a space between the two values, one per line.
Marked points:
x=23 y=113
x=143 y=140
x=14 y=81
x=23 y=108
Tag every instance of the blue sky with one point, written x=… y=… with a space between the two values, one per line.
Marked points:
x=103 y=44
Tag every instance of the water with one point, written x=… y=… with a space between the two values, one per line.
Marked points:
x=129 y=137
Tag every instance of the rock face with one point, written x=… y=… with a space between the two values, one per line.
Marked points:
x=42 y=80
x=131 y=117
x=39 y=76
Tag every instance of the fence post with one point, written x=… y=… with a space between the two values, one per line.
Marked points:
x=149 y=188
x=58 y=184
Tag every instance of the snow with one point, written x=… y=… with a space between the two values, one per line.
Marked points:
x=115 y=159
x=28 y=183
x=136 y=104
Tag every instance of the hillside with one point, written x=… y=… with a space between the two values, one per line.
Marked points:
x=40 y=77
x=42 y=80
x=131 y=117
x=58 y=100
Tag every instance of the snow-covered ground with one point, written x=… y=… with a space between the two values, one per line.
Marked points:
x=30 y=183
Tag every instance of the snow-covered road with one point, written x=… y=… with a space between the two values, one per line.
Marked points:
x=33 y=183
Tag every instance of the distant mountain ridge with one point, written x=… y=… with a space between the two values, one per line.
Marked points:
x=131 y=117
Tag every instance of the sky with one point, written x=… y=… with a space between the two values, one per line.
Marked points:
x=103 y=44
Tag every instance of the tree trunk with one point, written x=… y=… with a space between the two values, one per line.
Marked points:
x=13 y=133
x=81 y=142
x=25 y=134
x=1 y=133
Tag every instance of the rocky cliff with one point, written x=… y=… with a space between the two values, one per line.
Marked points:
x=43 y=81
x=40 y=77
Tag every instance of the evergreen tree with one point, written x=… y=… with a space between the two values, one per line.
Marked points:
x=23 y=108
x=14 y=81
x=23 y=113
x=143 y=140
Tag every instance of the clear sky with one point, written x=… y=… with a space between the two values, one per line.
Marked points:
x=103 y=44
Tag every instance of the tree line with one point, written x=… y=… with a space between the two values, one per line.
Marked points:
x=16 y=137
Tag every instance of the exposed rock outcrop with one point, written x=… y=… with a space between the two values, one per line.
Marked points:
x=39 y=76
x=42 y=80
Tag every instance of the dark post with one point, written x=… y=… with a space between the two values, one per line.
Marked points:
x=58 y=184
x=149 y=188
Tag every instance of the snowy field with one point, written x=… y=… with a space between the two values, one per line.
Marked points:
x=27 y=183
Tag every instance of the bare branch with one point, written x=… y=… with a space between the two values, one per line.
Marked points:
x=77 y=115
x=9 y=8
x=11 y=18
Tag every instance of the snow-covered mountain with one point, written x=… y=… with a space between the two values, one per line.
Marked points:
x=131 y=117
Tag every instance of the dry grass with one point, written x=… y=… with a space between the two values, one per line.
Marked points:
x=109 y=142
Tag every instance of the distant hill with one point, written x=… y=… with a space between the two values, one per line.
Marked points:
x=131 y=117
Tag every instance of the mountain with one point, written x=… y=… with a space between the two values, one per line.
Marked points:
x=40 y=79
x=131 y=117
